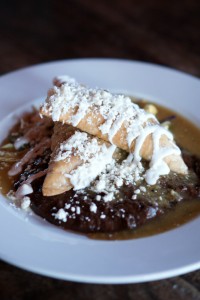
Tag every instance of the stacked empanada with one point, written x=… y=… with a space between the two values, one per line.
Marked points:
x=90 y=124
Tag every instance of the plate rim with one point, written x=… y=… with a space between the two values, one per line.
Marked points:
x=104 y=279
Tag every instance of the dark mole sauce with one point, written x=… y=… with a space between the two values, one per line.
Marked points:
x=128 y=219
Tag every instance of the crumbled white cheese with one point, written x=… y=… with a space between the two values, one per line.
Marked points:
x=93 y=207
x=78 y=210
x=22 y=202
x=83 y=175
x=100 y=185
x=108 y=197
x=25 y=203
x=119 y=182
x=79 y=144
x=115 y=175
x=102 y=216
x=137 y=191
x=61 y=215
x=67 y=205
x=143 y=189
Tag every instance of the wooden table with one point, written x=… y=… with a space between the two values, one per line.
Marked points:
x=162 y=32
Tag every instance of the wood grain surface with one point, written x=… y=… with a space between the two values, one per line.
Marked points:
x=162 y=32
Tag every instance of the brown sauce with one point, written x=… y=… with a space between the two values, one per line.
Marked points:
x=179 y=215
x=187 y=137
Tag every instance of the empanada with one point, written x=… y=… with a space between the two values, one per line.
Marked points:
x=77 y=158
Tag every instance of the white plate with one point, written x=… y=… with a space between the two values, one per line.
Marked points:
x=33 y=244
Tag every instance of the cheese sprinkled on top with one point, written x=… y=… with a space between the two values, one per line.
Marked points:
x=93 y=153
x=115 y=109
x=105 y=115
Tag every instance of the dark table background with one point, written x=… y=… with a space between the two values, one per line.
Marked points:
x=162 y=32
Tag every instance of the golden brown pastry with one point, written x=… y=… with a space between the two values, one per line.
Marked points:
x=77 y=158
